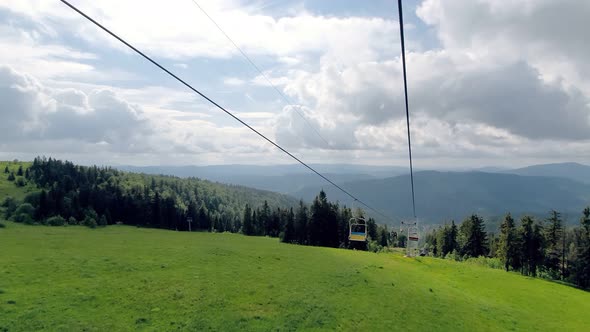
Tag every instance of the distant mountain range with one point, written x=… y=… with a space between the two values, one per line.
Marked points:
x=279 y=178
x=572 y=171
x=440 y=196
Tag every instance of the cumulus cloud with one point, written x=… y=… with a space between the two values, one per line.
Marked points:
x=509 y=96
x=35 y=112
x=549 y=35
x=503 y=77
x=188 y=33
x=45 y=120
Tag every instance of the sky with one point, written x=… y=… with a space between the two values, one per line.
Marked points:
x=491 y=82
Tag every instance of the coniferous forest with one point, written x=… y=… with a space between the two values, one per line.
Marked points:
x=68 y=194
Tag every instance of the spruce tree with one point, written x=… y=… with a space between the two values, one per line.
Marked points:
x=553 y=234
x=301 y=224
x=508 y=244
x=289 y=233
x=475 y=241
x=452 y=237
x=532 y=246
x=582 y=263
x=247 y=225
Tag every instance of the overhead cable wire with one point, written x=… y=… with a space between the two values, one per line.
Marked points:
x=286 y=99
x=401 y=32
x=155 y=63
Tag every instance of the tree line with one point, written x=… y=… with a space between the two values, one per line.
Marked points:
x=533 y=247
x=99 y=196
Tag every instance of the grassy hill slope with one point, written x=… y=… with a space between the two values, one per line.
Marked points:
x=125 y=278
x=8 y=188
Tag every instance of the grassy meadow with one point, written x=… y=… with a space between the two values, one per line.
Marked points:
x=8 y=188
x=125 y=278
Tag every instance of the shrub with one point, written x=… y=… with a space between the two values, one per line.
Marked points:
x=72 y=221
x=56 y=221
x=20 y=182
x=453 y=256
x=90 y=213
x=11 y=177
x=25 y=209
x=2 y=225
x=33 y=198
x=7 y=201
x=89 y=222
x=373 y=246
x=9 y=204
x=23 y=218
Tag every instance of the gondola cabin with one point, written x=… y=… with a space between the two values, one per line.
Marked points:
x=357 y=230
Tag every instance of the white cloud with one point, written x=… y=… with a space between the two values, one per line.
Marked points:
x=52 y=121
x=40 y=113
x=548 y=35
x=188 y=33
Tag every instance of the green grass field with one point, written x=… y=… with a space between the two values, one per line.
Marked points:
x=123 y=278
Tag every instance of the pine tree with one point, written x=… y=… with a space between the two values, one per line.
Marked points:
x=43 y=209
x=6 y=170
x=317 y=218
x=372 y=229
x=447 y=239
x=19 y=172
x=301 y=224
x=323 y=223
x=265 y=220
x=474 y=237
x=582 y=262
x=11 y=176
x=532 y=246
x=383 y=236
x=508 y=250
x=289 y=233
x=343 y=226
x=452 y=237
x=553 y=234
x=247 y=225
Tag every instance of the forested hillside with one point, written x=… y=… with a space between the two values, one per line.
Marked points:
x=102 y=196
x=93 y=196
x=285 y=179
